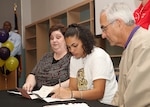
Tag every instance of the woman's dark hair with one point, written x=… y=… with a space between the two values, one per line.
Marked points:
x=83 y=34
x=56 y=27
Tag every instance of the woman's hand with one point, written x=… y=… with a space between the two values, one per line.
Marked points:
x=62 y=93
x=28 y=87
x=30 y=83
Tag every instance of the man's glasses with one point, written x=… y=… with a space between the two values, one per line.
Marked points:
x=104 y=28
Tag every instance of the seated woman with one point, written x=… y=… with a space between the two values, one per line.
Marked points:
x=92 y=75
x=53 y=65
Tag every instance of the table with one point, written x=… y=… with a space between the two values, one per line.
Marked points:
x=13 y=100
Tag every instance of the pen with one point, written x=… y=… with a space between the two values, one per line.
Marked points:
x=59 y=83
x=59 y=86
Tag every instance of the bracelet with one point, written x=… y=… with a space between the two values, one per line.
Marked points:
x=71 y=94
x=81 y=94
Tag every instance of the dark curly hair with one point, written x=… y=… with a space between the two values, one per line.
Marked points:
x=83 y=34
x=56 y=27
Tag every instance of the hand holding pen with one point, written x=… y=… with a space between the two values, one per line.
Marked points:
x=61 y=92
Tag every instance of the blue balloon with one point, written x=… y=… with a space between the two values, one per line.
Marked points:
x=4 y=35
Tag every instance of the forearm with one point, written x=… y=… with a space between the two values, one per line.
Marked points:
x=31 y=79
x=87 y=95
x=95 y=93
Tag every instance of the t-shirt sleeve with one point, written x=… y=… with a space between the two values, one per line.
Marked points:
x=102 y=66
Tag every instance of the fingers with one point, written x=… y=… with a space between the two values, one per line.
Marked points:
x=28 y=87
x=56 y=92
x=54 y=96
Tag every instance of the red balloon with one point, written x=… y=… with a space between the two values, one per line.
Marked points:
x=4 y=35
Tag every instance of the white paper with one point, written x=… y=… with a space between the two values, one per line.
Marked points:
x=44 y=91
x=49 y=99
x=69 y=105
x=14 y=92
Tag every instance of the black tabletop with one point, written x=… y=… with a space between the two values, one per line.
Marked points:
x=13 y=100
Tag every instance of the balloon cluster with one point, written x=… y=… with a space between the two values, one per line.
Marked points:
x=7 y=63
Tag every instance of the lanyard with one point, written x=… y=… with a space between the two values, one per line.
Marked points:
x=131 y=35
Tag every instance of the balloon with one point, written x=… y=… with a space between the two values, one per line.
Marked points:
x=4 y=53
x=11 y=63
x=8 y=44
x=6 y=72
x=4 y=35
x=1 y=62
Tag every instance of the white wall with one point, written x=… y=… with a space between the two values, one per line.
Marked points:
x=44 y=8
x=7 y=12
x=25 y=16
x=133 y=4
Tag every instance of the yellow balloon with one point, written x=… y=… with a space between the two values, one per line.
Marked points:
x=2 y=62
x=11 y=63
x=8 y=44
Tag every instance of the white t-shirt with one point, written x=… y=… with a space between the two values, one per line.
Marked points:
x=95 y=66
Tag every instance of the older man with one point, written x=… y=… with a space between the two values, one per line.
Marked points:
x=119 y=28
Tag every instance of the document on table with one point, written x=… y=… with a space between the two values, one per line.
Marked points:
x=44 y=91
x=69 y=105
x=41 y=94
x=14 y=92
x=49 y=99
